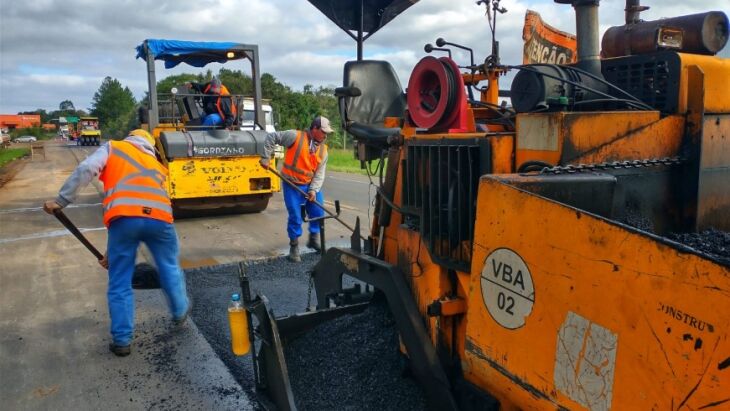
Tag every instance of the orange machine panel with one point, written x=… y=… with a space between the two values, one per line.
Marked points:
x=574 y=137
x=569 y=309
x=715 y=71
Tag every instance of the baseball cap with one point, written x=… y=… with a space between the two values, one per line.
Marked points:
x=323 y=123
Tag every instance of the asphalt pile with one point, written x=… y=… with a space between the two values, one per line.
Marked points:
x=713 y=242
x=348 y=363
x=352 y=363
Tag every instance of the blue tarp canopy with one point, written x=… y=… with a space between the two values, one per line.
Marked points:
x=194 y=53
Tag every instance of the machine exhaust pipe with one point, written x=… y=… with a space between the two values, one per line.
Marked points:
x=633 y=9
x=586 y=27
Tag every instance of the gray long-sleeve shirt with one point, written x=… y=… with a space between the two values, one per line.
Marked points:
x=91 y=167
x=287 y=139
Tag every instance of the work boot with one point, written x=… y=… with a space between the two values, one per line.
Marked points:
x=313 y=242
x=180 y=321
x=294 y=251
x=120 y=350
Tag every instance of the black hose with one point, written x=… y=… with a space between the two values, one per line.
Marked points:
x=599 y=79
x=532 y=165
x=607 y=100
x=496 y=108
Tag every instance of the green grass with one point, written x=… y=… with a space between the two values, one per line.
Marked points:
x=9 y=154
x=344 y=161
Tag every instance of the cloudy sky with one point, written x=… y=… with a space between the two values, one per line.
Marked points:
x=52 y=50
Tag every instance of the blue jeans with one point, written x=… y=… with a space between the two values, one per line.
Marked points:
x=294 y=200
x=213 y=120
x=125 y=235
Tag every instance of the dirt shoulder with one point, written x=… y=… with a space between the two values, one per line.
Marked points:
x=8 y=171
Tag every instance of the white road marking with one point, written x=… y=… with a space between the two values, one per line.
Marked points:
x=347 y=179
x=28 y=209
x=47 y=234
x=342 y=206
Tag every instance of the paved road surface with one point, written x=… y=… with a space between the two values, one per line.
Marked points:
x=53 y=318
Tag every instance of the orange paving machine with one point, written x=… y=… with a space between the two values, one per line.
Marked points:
x=552 y=254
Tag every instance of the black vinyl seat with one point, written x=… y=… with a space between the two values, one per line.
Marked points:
x=193 y=110
x=371 y=93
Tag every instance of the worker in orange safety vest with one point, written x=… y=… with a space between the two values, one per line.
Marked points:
x=137 y=209
x=217 y=104
x=305 y=163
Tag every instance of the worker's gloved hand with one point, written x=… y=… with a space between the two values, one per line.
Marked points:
x=104 y=262
x=311 y=196
x=50 y=206
x=264 y=163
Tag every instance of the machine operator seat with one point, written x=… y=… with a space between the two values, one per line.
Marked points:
x=371 y=93
x=193 y=110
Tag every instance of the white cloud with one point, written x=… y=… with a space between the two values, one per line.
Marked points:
x=64 y=80
x=87 y=40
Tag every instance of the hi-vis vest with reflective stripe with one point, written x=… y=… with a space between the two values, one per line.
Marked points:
x=134 y=185
x=299 y=163
x=224 y=93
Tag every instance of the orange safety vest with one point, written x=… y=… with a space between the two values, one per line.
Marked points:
x=134 y=185
x=224 y=92
x=299 y=163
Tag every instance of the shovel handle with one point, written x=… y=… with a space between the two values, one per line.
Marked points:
x=75 y=231
x=326 y=210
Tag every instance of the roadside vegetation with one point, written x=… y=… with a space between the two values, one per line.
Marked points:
x=37 y=132
x=344 y=161
x=9 y=154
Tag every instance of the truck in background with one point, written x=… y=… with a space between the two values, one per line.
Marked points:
x=247 y=120
x=87 y=132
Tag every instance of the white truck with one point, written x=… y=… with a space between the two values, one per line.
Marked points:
x=247 y=120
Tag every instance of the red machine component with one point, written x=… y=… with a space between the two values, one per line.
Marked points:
x=436 y=96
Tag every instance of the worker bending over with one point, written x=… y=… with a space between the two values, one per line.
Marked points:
x=136 y=209
x=304 y=165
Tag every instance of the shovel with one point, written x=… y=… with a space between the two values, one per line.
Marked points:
x=325 y=209
x=144 y=277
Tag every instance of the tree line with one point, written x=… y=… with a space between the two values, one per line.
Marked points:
x=116 y=107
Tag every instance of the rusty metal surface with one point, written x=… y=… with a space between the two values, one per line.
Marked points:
x=713 y=202
x=703 y=33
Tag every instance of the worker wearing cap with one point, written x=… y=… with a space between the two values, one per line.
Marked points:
x=219 y=111
x=304 y=165
x=136 y=209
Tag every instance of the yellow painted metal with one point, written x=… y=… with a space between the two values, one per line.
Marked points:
x=715 y=70
x=216 y=177
x=210 y=177
x=574 y=137
x=613 y=319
